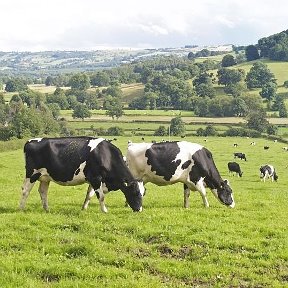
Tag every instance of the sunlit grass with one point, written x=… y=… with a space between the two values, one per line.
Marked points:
x=165 y=245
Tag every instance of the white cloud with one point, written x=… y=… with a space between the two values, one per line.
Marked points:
x=84 y=24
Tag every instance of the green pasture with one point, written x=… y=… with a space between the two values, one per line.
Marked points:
x=165 y=245
x=134 y=128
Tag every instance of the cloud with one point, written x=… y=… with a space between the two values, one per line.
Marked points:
x=84 y=24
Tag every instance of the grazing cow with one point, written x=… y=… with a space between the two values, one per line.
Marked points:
x=235 y=145
x=268 y=171
x=266 y=147
x=285 y=148
x=235 y=167
x=180 y=161
x=240 y=155
x=253 y=143
x=72 y=161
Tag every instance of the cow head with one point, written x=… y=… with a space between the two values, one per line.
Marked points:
x=225 y=195
x=134 y=192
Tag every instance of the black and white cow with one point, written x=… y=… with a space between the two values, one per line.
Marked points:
x=171 y=162
x=268 y=171
x=72 y=161
x=240 y=155
x=234 y=167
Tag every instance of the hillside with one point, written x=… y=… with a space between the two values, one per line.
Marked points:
x=56 y=62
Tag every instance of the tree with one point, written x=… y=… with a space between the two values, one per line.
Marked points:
x=282 y=110
x=236 y=89
x=15 y=85
x=99 y=79
x=80 y=81
x=27 y=122
x=268 y=91
x=251 y=53
x=257 y=120
x=204 y=90
x=177 y=126
x=201 y=106
x=259 y=75
x=230 y=76
x=4 y=112
x=272 y=129
x=191 y=56
x=239 y=107
x=228 y=60
x=114 y=107
x=81 y=111
x=49 y=81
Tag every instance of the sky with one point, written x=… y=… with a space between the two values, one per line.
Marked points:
x=45 y=25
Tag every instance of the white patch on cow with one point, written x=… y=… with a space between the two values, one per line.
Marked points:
x=35 y=139
x=78 y=178
x=186 y=151
x=94 y=142
x=267 y=175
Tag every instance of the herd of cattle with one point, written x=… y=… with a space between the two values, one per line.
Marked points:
x=72 y=161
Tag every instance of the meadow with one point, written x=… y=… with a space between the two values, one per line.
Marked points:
x=163 y=246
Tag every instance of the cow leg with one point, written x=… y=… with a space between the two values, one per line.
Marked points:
x=186 y=196
x=26 y=188
x=89 y=195
x=200 y=187
x=100 y=196
x=43 y=191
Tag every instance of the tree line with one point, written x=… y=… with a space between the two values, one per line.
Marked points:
x=170 y=82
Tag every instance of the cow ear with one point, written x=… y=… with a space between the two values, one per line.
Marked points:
x=224 y=183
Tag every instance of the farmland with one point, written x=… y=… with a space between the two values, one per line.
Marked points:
x=165 y=245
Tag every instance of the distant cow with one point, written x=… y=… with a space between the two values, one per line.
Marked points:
x=72 y=161
x=234 y=167
x=285 y=148
x=268 y=171
x=266 y=147
x=235 y=145
x=180 y=161
x=240 y=155
x=253 y=143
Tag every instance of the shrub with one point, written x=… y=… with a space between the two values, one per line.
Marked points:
x=115 y=131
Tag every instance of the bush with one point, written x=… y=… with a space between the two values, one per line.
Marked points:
x=160 y=131
x=242 y=132
x=115 y=131
x=285 y=84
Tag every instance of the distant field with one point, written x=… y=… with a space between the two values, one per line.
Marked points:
x=165 y=246
x=278 y=68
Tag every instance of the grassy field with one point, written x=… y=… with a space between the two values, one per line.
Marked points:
x=165 y=245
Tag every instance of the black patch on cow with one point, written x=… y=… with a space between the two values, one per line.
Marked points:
x=265 y=168
x=35 y=177
x=60 y=156
x=161 y=157
x=204 y=166
x=186 y=164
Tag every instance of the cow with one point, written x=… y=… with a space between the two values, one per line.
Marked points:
x=266 y=147
x=179 y=161
x=268 y=171
x=73 y=161
x=240 y=155
x=235 y=167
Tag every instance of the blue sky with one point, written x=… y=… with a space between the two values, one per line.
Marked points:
x=39 y=25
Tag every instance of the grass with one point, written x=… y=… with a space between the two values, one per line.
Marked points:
x=165 y=245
